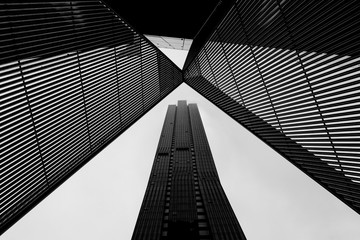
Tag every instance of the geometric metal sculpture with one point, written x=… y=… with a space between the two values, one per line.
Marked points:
x=73 y=76
x=290 y=74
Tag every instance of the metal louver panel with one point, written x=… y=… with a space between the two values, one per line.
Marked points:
x=74 y=76
x=289 y=71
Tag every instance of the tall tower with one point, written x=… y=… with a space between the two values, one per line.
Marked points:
x=184 y=198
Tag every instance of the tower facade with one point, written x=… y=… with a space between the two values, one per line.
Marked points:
x=184 y=198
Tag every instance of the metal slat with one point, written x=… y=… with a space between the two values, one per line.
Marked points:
x=296 y=66
x=74 y=76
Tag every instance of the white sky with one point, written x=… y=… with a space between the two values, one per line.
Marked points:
x=177 y=56
x=271 y=198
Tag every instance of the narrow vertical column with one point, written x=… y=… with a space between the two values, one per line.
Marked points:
x=216 y=207
x=150 y=219
x=182 y=209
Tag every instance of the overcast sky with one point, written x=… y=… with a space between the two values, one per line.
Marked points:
x=271 y=198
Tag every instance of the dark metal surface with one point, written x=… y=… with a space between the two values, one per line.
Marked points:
x=175 y=18
x=289 y=71
x=74 y=76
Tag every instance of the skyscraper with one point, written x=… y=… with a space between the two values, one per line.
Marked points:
x=184 y=198
x=75 y=75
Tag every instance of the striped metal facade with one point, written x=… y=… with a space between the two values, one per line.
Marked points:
x=74 y=76
x=184 y=198
x=289 y=72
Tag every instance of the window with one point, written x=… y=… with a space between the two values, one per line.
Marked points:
x=202 y=224
x=204 y=233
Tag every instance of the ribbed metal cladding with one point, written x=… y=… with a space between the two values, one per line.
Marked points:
x=74 y=76
x=289 y=71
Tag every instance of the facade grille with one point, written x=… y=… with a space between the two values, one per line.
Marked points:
x=74 y=76
x=289 y=71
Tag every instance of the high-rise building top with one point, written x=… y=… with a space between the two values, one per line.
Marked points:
x=184 y=198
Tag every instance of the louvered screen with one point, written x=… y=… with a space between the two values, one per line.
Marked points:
x=74 y=75
x=289 y=71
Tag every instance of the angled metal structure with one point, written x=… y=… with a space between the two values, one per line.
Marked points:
x=289 y=72
x=74 y=76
